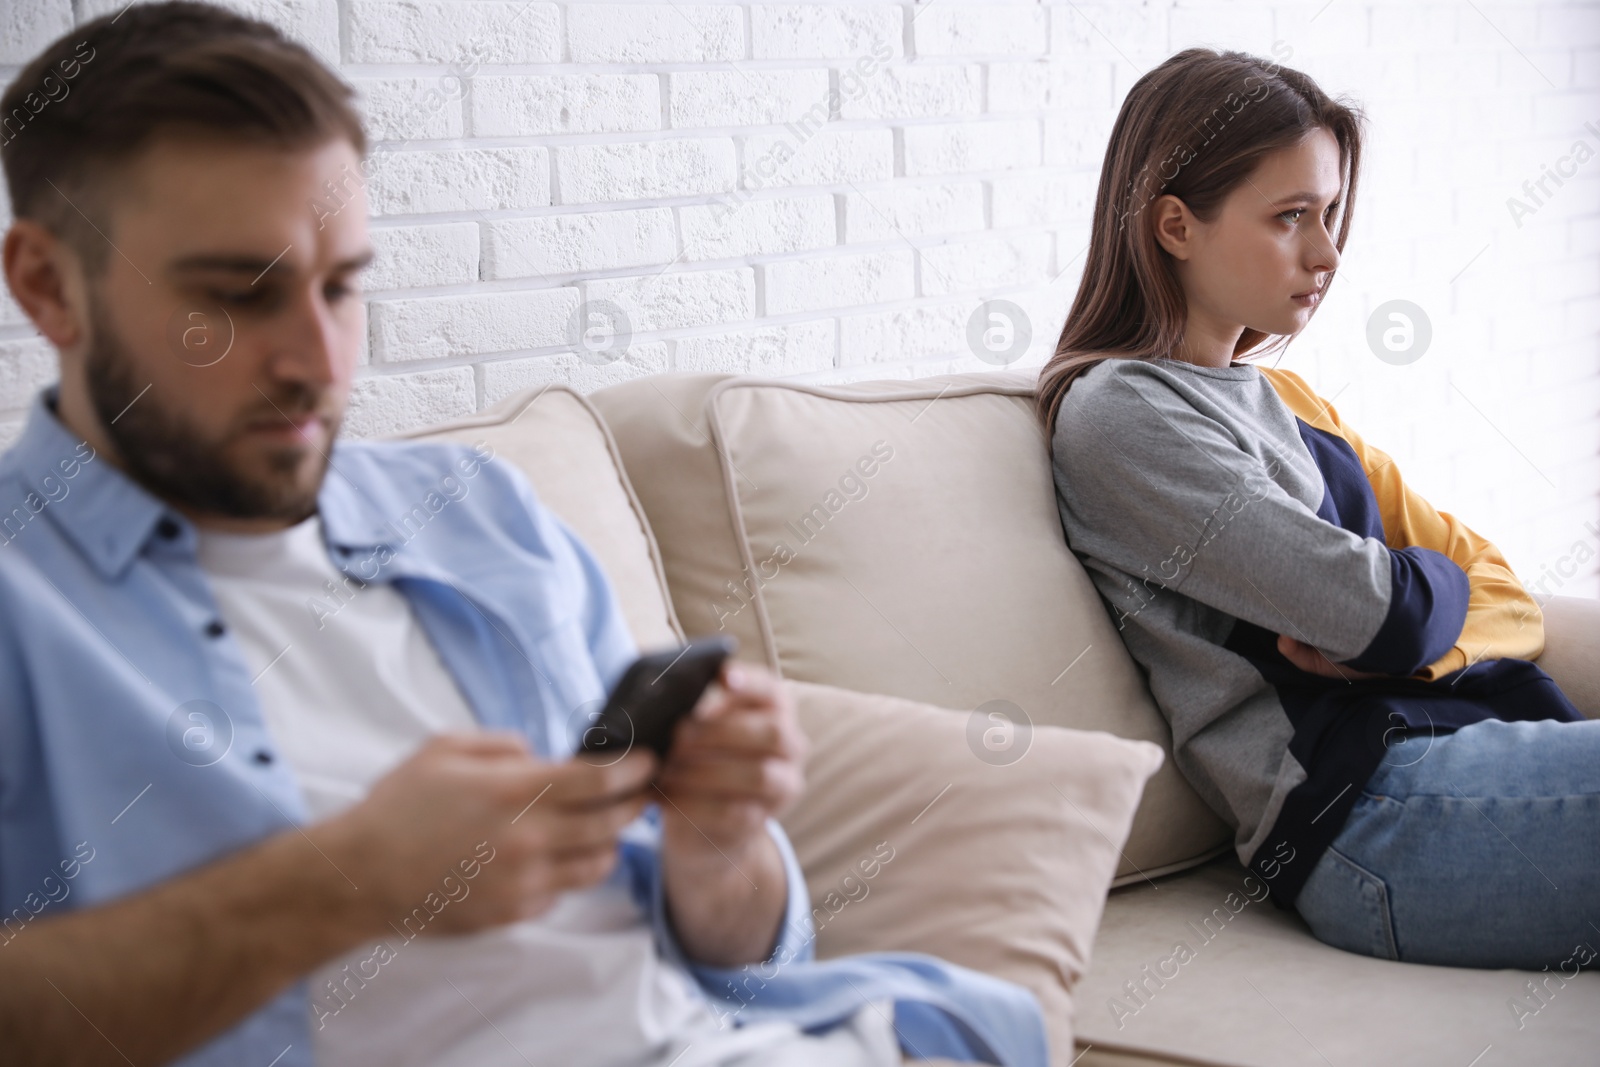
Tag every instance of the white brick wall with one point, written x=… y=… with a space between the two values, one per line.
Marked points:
x=826 y=191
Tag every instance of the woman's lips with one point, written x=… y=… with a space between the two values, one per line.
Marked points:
x=1307 y=299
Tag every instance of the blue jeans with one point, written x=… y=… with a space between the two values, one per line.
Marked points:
x=1478 y=848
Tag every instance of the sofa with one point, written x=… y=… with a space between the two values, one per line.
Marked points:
x=893 y=551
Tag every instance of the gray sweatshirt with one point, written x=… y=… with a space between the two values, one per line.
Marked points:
x=1211 y=519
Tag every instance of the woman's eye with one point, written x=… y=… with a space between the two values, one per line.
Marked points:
x=1296 y=212
x=239 y=298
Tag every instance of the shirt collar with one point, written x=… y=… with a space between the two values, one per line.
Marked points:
x=350 y=520
x=110 y=518
x=104 y=513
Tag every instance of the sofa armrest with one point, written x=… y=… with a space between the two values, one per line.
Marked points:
x=1572 y=649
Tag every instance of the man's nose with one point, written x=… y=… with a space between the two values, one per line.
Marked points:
x=307 y=349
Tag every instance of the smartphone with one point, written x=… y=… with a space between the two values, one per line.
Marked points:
x=656 y=690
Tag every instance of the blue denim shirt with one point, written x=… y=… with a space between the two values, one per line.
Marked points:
x=133 y=748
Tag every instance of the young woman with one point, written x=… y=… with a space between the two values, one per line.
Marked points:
x=1345 y=669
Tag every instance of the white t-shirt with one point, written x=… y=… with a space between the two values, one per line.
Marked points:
x=349 y=685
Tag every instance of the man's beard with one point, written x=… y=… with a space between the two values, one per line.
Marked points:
x=172 y=460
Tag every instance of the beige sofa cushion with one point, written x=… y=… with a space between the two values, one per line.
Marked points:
x=1258 y=990
x=560 y=442
x=895 y=537
x=1572 y=649
x=911 y=842
x=660 y=426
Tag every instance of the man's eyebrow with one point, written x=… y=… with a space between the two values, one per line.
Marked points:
x=252 y=265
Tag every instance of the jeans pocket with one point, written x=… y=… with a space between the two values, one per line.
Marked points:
x=1347 y=906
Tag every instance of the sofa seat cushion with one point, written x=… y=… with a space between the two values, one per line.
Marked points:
x=910 y=841
x=895 y=537
x=1571 y=653
x=560 y=442
x=1195 y=967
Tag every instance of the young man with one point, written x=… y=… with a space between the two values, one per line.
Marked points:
x=286 y=772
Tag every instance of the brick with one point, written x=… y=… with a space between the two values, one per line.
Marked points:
x=1042 y=198
x=391 y=403
x=314 y=23
x=1586 y=68
x=506 y=377
x=1335 y=29
x=1018 y=86
x=745 y=97
x=441 y=327
x=1563 y=115
x=913 y=91
x=958 y=147
x=825 y=157
x=1560 y=26
x=1077 y=138
x=985 y=263
x=27 y=26
x=1132 y=29
x=411 y=109
x=680 y=299
x=571 y=244
x=845 y=280
x=534 y=104
x=1402 y=27
x=815 y=31
x=913 y=210
x=906 y=333
x=1545 y=25
x=979 y=30
x=407 y=257
x=758 y=227
x=773 y=351
x=654 y=33
x=1050 y=84
x=653 y=169
x=1446 y=74
x=463 y=33
x=461 y=179
x=26 y=366
x=1566 y=281
x=1220 y=25
x=1045 y=307
x=1583 y=239
x=11 y=313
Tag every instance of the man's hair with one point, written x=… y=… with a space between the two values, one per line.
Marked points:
x=89 y=103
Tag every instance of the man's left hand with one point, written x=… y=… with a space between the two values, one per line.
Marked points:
x=735 y=761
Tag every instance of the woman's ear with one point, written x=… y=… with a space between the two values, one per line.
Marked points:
x=1174 y=225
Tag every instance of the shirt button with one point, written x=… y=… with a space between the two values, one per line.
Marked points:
x=215 y=628
x=168 y=528
x=262 y=756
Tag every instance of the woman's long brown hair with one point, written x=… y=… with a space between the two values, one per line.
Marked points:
x=1195 y=127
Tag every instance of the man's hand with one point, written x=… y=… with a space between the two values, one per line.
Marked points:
x=1311 y=660
x=510 y=830
x=735 y=762
x=163 y=969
